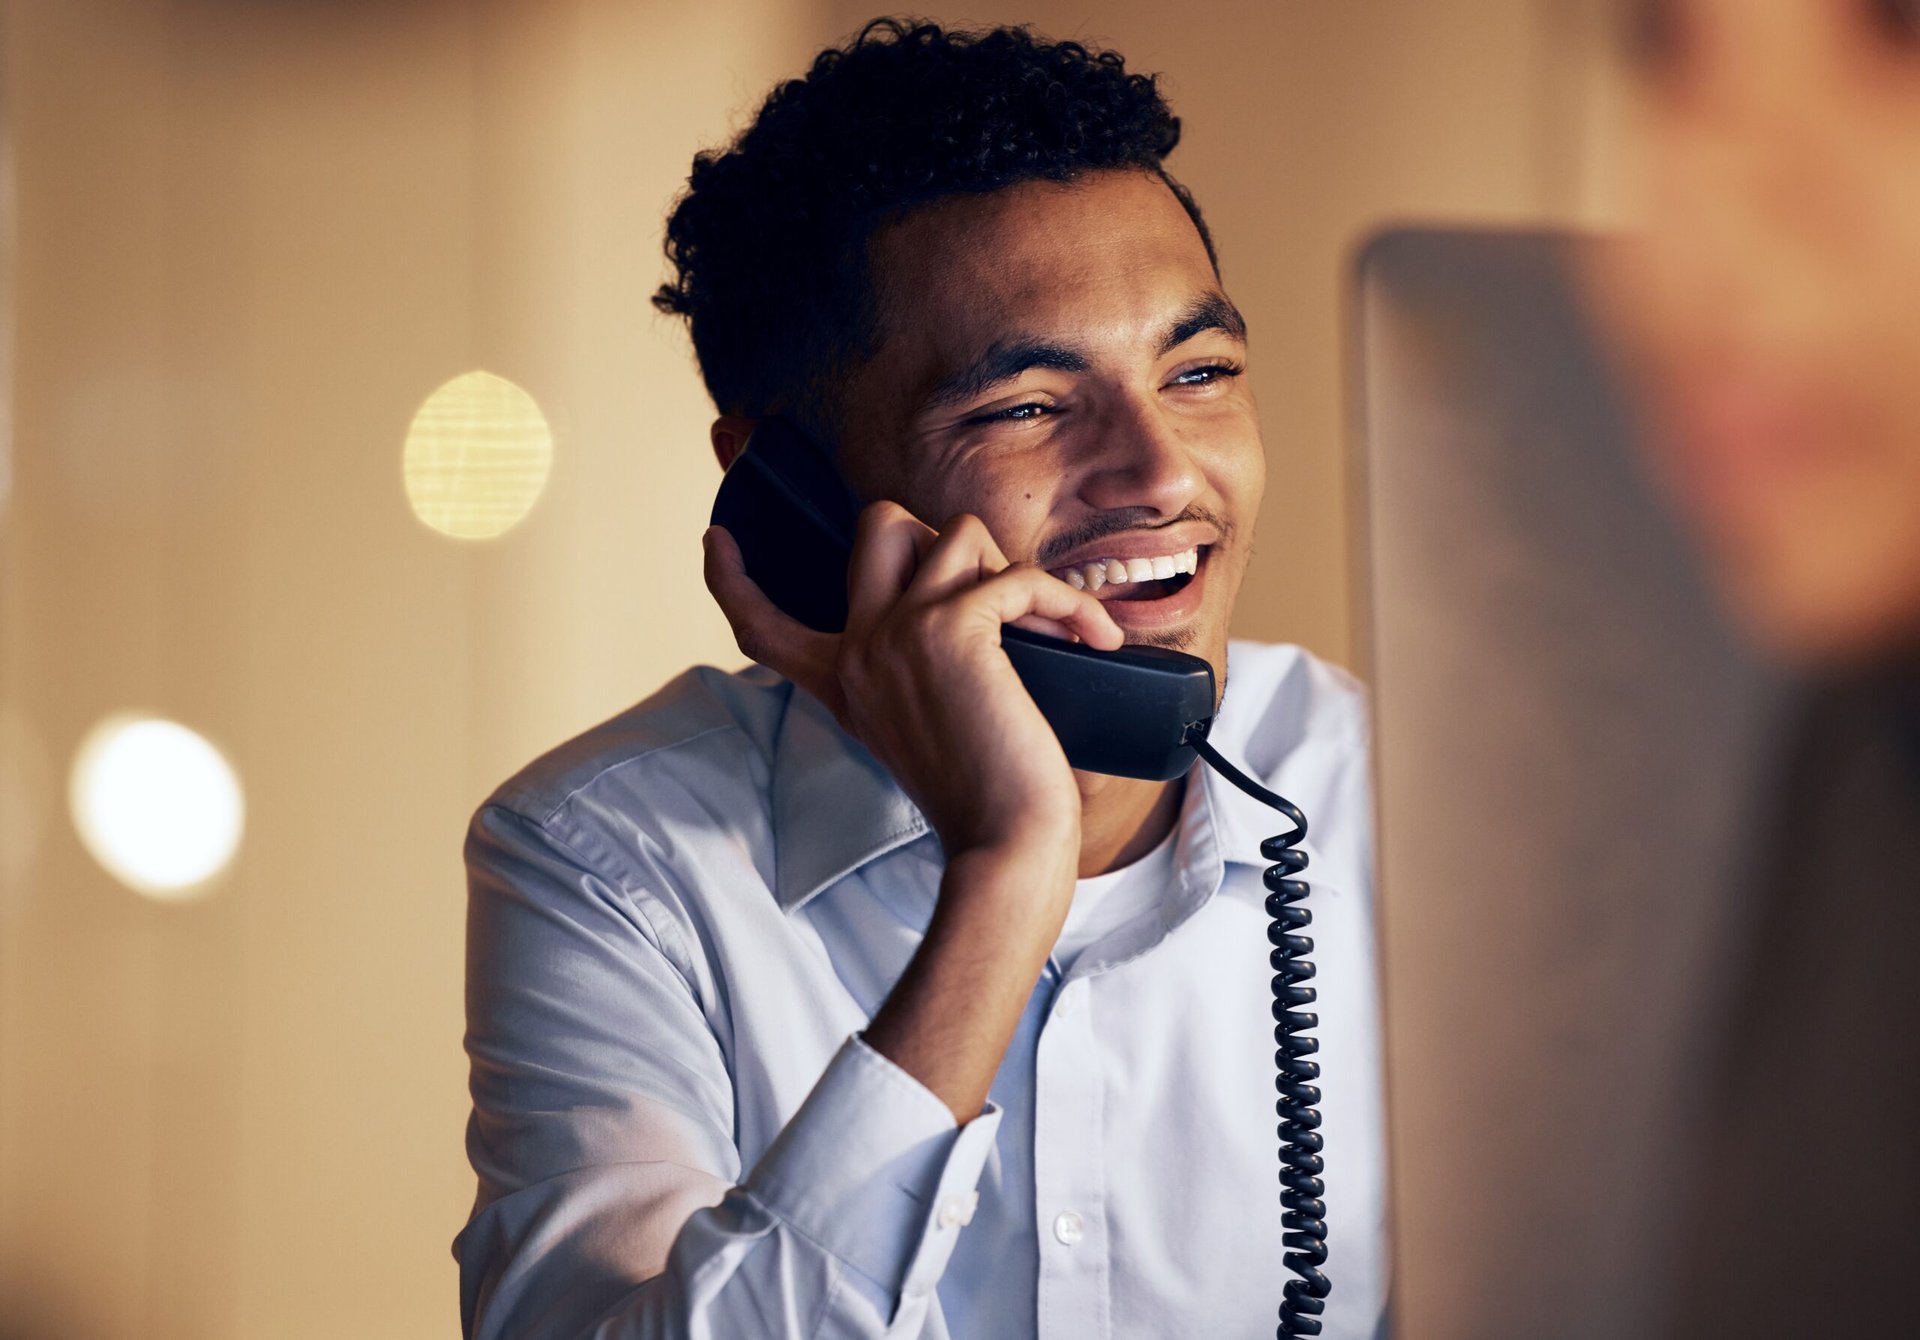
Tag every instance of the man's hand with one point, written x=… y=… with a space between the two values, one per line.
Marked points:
x=920 y=678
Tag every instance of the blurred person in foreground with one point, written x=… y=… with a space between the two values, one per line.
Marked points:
x=826 y=1000
x=1771 y=316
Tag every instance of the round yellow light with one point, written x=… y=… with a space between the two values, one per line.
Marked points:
x=477 y=456
x=156 y=804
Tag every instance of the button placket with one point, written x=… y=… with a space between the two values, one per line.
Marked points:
x=1069 y=1171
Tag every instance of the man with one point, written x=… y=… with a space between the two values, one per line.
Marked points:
x=826 y=999
x=1772 y=311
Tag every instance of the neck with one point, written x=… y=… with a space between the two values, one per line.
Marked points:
x=1122 y=819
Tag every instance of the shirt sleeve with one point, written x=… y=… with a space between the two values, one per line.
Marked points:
x=611 y=1202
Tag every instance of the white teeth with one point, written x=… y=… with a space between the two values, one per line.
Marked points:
x=1115 y=571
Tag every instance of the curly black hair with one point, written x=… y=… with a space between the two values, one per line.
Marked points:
x=769 y=240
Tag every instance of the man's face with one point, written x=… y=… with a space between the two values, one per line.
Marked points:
x=1060 y=361
x=1774 y=306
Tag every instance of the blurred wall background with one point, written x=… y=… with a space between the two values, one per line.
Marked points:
x=250 y=239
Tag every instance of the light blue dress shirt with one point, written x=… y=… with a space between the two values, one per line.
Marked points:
x=680 y=921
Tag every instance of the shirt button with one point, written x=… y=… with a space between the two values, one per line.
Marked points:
x=1068 y=1227
x=958 y=1211
x=1065 y=1003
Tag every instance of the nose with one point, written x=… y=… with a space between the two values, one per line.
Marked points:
x=1138 y=458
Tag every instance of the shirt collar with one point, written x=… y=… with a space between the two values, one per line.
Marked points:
x=834 y=807
x=1240 y=822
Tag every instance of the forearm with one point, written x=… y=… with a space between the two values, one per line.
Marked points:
x=950 y=1018
x=734 y=1267
x=836 y=1232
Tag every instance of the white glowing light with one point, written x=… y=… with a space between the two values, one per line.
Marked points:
x=477 y=457
x=156 y=804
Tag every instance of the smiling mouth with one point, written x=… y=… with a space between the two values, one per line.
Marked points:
x=1132 y=579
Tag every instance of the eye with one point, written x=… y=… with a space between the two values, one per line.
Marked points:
x=1206 y=376
x=1014 y=414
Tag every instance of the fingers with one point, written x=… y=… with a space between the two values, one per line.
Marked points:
x=964 y=554
x=1040 y=601
x=915 y=567
x=886 y=554
x=1033 y=623
x=966 y=557
x=764 y=632
x=900 y=563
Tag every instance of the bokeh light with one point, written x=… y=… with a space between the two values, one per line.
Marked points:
x=477 y=456
x=156 y=804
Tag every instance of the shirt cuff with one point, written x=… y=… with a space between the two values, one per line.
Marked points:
x=873 y=1169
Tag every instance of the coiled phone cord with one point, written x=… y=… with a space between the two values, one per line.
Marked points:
x=1300 y=1143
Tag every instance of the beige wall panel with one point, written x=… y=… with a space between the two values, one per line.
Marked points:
x=118 y=546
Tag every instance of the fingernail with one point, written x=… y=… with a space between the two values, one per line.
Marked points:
x=706 y=537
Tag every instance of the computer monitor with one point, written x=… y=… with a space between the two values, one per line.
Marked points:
x=1565 y=734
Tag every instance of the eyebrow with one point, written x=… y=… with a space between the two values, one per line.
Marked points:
x=1002 y=362
x=1007 y=359
x=1210 y=311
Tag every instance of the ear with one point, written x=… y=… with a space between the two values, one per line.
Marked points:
x=729 y=436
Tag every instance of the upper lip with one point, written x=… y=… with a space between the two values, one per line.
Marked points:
x=1140 y=544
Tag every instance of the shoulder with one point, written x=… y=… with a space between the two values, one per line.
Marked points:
x=611 y=851
x=1281 y=698
x=706 y=730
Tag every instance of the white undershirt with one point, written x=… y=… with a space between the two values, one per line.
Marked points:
x=1105 y=903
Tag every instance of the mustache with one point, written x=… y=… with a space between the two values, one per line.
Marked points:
x=1122 y=520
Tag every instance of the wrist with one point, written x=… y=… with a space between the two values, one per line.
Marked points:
x=1031 y=855
x=1014 y=894
x=949 y=1018
x=1024 y=835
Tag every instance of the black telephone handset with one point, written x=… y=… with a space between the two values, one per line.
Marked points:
x=1135 y=712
